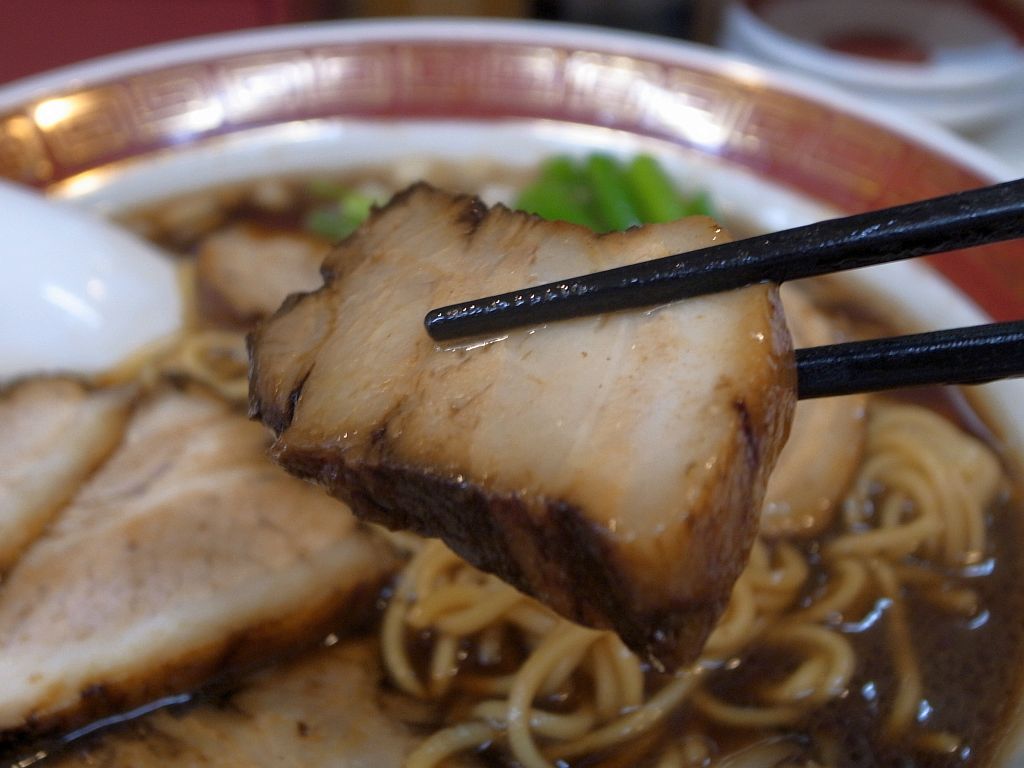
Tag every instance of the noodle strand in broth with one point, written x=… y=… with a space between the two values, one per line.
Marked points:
x=502 y=674
x=547 y=690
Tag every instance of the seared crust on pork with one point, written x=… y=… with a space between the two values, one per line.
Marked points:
x=612 y=467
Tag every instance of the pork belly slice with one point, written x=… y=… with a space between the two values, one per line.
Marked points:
x=813 y=473
x=244 y=272
x=186 y=555
x=612 y=467
x=56 y=432
x=325 y=709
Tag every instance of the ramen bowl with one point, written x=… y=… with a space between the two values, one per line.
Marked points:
x=771 y=150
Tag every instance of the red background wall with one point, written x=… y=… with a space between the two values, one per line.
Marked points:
x=36 y=35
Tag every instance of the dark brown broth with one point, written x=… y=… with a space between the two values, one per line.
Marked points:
x=973 y=671
x=972 y=668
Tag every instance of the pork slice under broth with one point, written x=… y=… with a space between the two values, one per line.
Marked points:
x=186 y=555
x=324 y=709
x=245 y=271
x=612 y=466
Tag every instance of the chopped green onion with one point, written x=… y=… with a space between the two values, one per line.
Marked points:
x=559 y=194
x=328 y=223
x=611 y=200
x=357 y=206
x=599 y=193
x=652 y=191
x=555 y=201
x=562 y=168
x=699 y=205
x=340 y=220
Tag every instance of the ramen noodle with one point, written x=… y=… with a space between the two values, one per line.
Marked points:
x=860 y=643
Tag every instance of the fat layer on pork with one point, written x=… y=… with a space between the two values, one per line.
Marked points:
x=611 y=466
x=245 y=271
x=187 y=555
x=56 y=432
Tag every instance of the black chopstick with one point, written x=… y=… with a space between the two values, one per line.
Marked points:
x=972 y=355
x=962 y=220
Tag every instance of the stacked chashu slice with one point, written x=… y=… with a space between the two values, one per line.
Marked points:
x=324 y=709
x=611 y=466
x=56 y=433
x=168 y=551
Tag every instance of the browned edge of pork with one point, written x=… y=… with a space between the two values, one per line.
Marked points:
x=544 y=547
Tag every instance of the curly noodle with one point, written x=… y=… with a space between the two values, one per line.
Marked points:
x=547 y=690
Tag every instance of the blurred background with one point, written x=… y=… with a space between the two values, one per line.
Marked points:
x=42 y=34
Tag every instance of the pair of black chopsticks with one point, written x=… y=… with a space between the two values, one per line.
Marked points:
x=959 y=356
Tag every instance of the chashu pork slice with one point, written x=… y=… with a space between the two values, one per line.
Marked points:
x=613 y=467
x=326 y=709
x=187 y=555
x=56 y=432
x=245 y=271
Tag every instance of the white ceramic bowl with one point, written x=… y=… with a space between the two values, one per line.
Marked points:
x=776 y=150
x=952 y=62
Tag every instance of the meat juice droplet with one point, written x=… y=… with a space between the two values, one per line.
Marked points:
x=470 y=345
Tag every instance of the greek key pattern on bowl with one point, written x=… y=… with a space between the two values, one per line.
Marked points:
x=837 y=157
